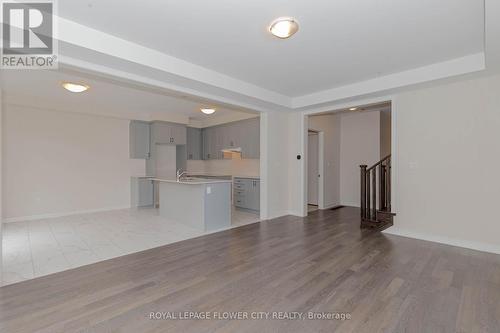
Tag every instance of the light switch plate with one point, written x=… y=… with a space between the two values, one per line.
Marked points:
x=209 y=189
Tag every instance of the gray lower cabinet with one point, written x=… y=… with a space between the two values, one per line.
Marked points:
x=168 y=133
x=140 y=139
x=142 y=192
x=194 y=144
x=246 y=193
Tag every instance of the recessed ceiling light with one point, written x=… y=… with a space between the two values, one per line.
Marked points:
x=284 y=27
x=207 y=111
x=75 y=87
x=353 y=109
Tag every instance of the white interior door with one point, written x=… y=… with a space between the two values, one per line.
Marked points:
x=313 y=169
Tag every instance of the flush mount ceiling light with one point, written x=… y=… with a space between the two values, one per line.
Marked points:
x=75 y=87
x=207 y=111
x=284 y=27
x=353 y=109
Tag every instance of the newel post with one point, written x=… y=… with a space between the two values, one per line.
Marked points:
x=363 y=191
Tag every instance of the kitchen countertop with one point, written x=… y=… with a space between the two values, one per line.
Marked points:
x=194 y=174
x=209 y=174
x=249 y=177
x=198 y=181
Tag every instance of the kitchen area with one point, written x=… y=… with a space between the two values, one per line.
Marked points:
x=117 y=169
x=206 y=178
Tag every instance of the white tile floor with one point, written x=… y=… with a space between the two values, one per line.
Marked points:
x=37 y=248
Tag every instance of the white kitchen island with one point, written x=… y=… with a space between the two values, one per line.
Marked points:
x=199 y=203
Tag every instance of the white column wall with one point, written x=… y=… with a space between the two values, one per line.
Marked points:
x=275 y=164
x=1 y=187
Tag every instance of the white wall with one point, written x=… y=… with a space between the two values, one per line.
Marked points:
x=330 y=126
x=448 y=152
x=62 y=162
x=385 y=133
x=359 y=144
x=1 y=184
x=276 y=159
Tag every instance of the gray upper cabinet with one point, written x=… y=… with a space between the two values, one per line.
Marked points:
x=250 y=138
x=231 y=134
x=168 y=133
x=160 y=133
x=179 y=134
x=244 y=134
x=219 y=142
x=140 y=138
x=207 y=139
x=201 y=144
x=194 y=144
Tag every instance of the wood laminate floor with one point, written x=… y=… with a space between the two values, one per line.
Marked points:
x=321 y=264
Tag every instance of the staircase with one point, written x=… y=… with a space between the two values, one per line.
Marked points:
x=376 y=195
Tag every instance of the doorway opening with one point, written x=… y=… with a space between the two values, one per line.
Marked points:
x=338 y=143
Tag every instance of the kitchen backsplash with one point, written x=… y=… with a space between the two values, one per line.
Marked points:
x=241 y=167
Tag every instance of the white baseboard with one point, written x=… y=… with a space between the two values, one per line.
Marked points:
x=60 y=214
x=275 y=215
x=478 y=246
x=350 y=204
x=280 y=214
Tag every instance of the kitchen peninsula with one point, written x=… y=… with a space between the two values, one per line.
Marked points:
x=203 y=204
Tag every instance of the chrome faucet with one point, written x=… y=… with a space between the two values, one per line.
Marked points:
x=179 y=174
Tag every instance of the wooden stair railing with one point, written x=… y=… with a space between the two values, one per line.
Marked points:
x=376 y=194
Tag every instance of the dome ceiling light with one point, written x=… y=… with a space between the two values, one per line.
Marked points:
x=75 y=87
x=207 y=110
x=284 y=27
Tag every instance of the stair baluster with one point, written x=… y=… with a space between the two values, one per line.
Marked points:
x=363 y=191
x=375 y=185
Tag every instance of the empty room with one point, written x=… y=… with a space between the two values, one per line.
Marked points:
x=249 y=166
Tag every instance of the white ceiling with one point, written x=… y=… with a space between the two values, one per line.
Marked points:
x=339 y=42
x=43 y=88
